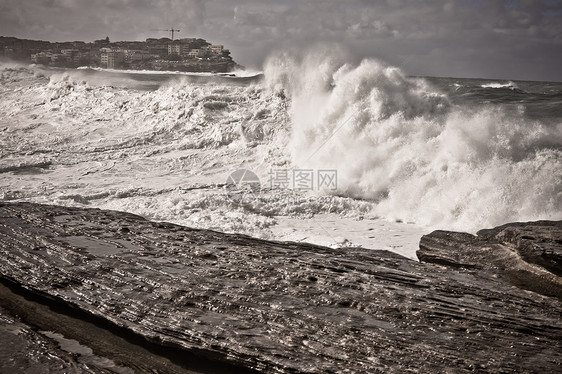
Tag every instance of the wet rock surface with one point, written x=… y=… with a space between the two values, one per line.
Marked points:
x=24 y=350
x=527 y=255
x=254 y=305
x=539 y=243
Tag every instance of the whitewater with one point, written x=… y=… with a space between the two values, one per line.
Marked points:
x=408 y=154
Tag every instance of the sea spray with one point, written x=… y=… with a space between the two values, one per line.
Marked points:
x=403 y=149
x=399 y=143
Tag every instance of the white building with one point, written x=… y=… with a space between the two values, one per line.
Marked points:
x=178 y=49
x=112 y=58
x=217 y=49
x=193 y=53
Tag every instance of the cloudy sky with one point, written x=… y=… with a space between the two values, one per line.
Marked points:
x=511 y=39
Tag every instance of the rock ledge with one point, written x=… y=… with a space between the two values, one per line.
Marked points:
x=281 y=307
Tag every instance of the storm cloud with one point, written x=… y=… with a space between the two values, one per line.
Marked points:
x=511 y=39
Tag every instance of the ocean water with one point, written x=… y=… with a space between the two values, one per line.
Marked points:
x=313 y=149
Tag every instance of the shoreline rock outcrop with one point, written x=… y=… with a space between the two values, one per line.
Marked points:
x=526 y=254
x=255 y=305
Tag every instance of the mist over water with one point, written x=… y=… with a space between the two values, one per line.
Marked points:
x=443 y=153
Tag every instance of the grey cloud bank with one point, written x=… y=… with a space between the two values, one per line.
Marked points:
x=511 y=39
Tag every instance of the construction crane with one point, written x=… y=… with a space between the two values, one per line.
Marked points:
x=172 y=30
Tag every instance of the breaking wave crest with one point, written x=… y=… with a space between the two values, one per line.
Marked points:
x=399 y=142
x=402 y=148
x=509 y=85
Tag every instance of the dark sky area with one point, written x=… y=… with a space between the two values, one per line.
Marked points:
x=509 y=39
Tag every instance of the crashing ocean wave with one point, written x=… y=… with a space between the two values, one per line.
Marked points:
x=398 y=142
x=401 y=147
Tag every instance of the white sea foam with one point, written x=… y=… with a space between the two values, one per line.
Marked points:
x=240 y=73
x=401 y=149
x=510 y=85
x=398 y=142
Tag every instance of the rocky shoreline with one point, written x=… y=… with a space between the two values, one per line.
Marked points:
x=156 y=296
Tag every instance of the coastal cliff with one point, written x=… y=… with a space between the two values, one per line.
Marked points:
x=204 y=301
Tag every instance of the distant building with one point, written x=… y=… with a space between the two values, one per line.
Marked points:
x=193 y=53
x=60 y=59
x=174 y=49
x=112 y=59
x=73 y=55
x=178 y=49
x=205 y=51
x=136 y=55
x=69 y=52
x=158 y=47
x=217 y=49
